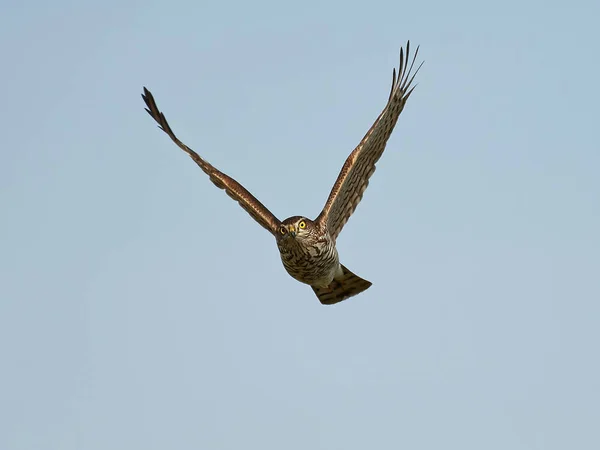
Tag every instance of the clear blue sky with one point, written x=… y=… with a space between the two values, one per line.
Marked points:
x=141 y=308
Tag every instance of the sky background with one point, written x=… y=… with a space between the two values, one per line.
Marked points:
x=141 y=308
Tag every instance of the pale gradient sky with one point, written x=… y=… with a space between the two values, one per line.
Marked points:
x=141 y=308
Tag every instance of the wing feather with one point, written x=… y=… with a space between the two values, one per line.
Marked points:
x=360 y=165
x=235 y=190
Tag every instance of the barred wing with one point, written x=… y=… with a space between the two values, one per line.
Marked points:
x=234 y=189
x=360 y=165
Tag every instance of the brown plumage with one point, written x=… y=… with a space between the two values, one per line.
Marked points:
x=307 y=248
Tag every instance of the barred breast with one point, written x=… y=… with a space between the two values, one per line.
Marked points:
x=313 y=263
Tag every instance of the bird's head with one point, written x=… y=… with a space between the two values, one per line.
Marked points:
x=295 y=228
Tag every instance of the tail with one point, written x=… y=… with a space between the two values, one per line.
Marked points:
x=342 y=288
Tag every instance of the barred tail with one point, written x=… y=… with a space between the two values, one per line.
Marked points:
x=342 y=288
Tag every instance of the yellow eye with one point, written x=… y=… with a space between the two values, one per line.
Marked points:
x=302 y=225
x=283 y=230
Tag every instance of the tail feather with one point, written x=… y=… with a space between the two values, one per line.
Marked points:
x=342 y=288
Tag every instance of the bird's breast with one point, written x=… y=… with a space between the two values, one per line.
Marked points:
x=313 y=263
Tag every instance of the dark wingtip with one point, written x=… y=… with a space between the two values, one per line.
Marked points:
x=148 y=98
x=405 y=70
x=393 y=84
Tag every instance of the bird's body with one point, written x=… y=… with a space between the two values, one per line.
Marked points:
x=308 y=256
x=311 y=265
x=308 y=247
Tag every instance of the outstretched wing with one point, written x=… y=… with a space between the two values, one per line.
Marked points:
x=234 y=189
x=360 y=165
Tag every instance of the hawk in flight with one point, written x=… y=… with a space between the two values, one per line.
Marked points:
x=307 y=247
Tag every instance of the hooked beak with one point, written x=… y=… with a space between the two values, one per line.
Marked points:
x=292 y=230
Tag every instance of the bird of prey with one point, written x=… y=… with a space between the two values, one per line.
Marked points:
x=307 y=247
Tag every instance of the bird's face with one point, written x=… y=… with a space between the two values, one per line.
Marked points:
x=295 y=229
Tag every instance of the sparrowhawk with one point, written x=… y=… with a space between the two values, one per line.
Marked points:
x=307 y=247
